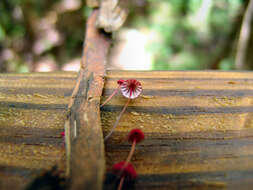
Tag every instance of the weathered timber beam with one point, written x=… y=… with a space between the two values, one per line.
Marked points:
x=198 y=126
x=33 y=108
x=84 y=138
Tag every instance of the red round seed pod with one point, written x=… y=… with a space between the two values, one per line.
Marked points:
x=131 y=88
x=124 y=169
x=135 y=135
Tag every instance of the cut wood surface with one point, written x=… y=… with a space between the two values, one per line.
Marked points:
x=33 y=109
x=198 y=127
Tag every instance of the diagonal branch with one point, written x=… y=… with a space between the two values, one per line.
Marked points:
x=84 y=138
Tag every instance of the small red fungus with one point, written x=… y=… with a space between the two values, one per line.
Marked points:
x=135 y=136
x=124 y=171
x=120 y=82
x=131 y=89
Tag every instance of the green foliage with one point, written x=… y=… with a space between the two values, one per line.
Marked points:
x=186 y=34
x=186 y=31
x=2 y=33
x=227 y=64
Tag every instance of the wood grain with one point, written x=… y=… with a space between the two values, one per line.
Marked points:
x=33 y=108
x=198 y=127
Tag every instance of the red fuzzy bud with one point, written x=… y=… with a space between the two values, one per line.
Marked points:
x=125 y=170
x=120 y=82
x=135 y=135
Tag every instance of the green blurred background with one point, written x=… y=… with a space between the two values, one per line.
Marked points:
x=168 y=34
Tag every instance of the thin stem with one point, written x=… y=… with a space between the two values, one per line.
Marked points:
x=121 y=183
x=130 y=155
x=117 y=121
x=110 y=97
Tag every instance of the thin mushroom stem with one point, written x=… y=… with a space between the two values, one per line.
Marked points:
x=110 y=97
x=118 y=119
x=121 y=183
x=130 y=155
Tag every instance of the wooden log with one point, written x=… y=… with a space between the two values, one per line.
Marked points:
x=33 y=108
x=198 y=128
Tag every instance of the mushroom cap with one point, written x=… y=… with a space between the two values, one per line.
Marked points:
x=127 y=172
x=131 y=88
x=135 y=135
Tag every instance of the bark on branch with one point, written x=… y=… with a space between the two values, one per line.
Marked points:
x=84 y=137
